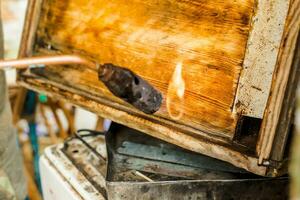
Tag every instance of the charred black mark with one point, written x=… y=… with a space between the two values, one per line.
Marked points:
x=257 y=88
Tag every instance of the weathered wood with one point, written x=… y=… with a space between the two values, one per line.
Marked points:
x=145 y=119
x=168 y=133
x=287 y=112
x=261 y=56
x=150 y=37
x=30 y=26
x=295 y=161
x=28 y=36
x=279 y=83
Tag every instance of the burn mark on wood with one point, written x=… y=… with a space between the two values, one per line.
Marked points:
x=151 y=39
x=257 y=88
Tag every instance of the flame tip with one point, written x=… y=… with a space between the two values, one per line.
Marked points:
x=176 y=90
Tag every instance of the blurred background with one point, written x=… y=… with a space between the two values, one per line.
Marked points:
x=53 y=120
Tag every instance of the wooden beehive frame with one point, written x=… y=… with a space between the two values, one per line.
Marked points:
x=277 y=108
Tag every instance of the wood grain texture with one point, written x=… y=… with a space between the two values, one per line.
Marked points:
x=168 y=133
x=295 y=160
x=287 y=113
x=150 y=37
x=30 y=26
x=279 y=83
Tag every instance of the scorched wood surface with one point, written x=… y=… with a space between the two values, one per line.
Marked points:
x=152 y=37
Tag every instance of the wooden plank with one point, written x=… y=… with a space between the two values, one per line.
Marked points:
x=30 y=26
x=287 y=112
x=279 y=83
x=261 y=56
x=295 y=160
x=27 y=80
x=151 y=37
x=183 y=139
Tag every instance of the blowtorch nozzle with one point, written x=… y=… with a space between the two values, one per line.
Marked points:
x=128 y=86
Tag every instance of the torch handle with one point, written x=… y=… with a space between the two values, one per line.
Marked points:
x=122 y=82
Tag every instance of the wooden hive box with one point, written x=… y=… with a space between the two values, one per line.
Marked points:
x=235 y=62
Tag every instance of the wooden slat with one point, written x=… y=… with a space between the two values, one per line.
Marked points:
x=295 y=160
x=30 y=26
x=150 y=37
x=287 y=112
x=186 y=140
x=279 y=83
x=261 y=55
x=28 y=36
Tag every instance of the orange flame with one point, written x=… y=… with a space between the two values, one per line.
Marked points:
x=175 y=95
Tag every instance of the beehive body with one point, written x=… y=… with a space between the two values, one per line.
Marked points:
x=209 y=38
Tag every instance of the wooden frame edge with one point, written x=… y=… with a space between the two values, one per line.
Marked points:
x=284 y=126
x=279 y=83
x=156 y=130
x=260 y=57
x=29 y=29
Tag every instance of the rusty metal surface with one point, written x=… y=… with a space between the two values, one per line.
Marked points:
x=131 y=149
x=275 y=189
x=82 y=151
x=70 y=180
x=142 y=167
x=176 y=173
